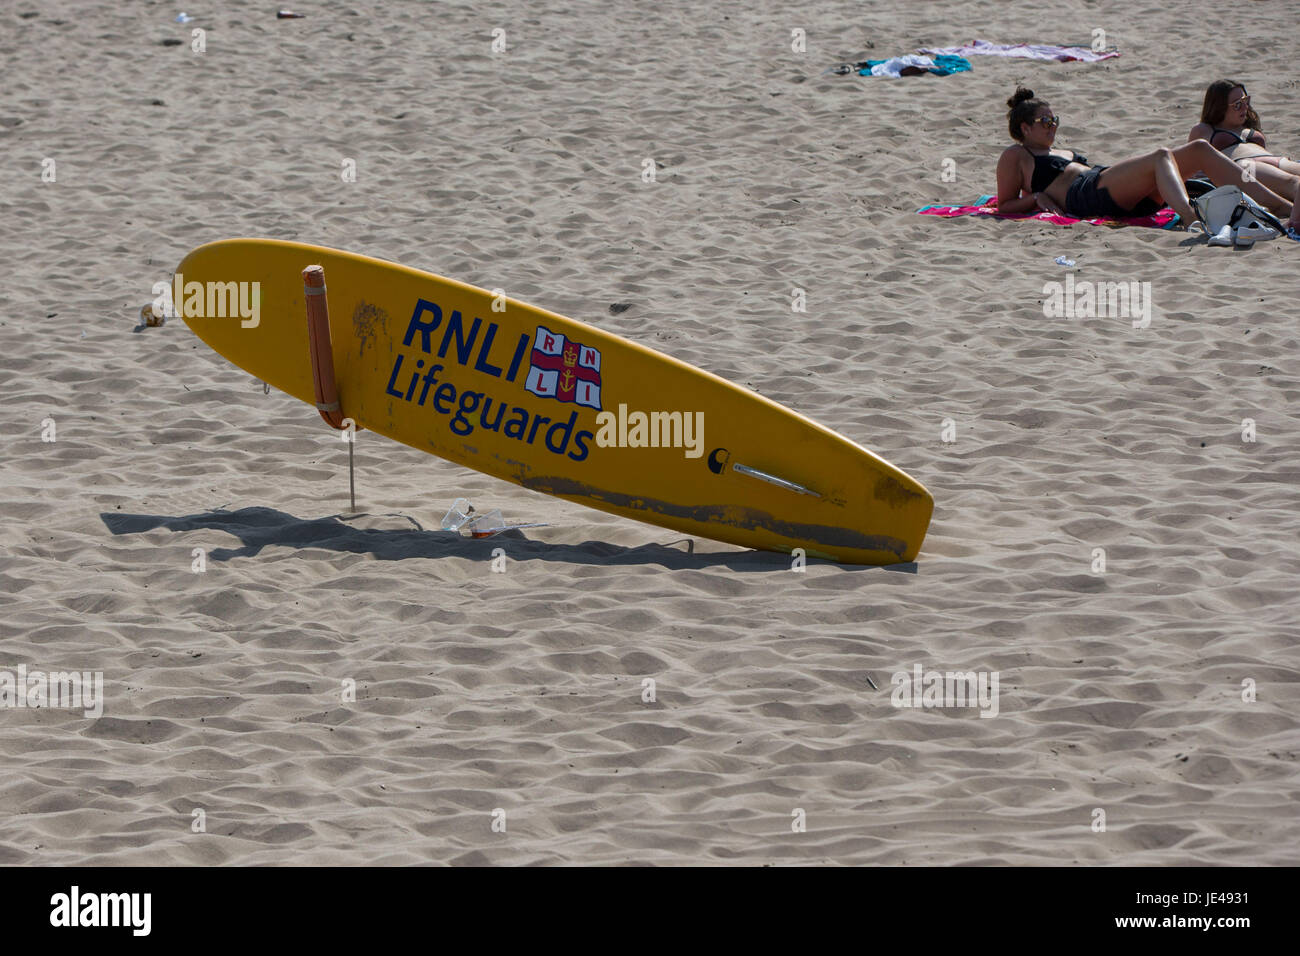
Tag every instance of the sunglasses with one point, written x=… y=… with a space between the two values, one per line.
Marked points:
x=1051 y=122
x=1241 y=103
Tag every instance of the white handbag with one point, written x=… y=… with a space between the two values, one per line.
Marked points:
x=1229 y=206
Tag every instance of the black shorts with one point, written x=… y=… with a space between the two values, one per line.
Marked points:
x=1086 y=200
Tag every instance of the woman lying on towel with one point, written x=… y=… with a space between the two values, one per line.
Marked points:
x=1033 y=176
x=1231 y=125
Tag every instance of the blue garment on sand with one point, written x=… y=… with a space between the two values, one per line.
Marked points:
x=945 y=64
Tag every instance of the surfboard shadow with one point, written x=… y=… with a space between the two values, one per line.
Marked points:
x=260 y=527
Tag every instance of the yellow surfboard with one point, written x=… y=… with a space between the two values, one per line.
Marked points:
x=552 y=404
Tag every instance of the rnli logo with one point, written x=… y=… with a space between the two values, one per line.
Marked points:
x=564 y=370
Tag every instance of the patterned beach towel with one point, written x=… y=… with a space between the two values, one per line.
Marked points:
x=988 y=206
x=1028 y=51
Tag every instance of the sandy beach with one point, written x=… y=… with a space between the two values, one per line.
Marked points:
x=1111 y=538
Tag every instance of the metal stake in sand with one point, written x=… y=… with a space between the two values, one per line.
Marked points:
x=321 y=347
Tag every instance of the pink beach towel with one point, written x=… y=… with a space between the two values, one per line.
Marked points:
x=988 y=206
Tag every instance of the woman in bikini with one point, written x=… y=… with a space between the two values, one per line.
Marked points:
x=1231 y=125
x=1033 y=176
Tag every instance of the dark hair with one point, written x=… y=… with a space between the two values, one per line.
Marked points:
x=1215 y=106
x=1021 y=109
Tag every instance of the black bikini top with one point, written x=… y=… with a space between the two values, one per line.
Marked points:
x=1048 y=166
x=1236 y=138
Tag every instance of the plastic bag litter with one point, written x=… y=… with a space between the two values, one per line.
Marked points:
x=462 y=518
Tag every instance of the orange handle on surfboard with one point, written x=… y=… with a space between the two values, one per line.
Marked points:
x=321 y=347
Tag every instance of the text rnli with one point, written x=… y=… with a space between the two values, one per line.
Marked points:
x=411 y=381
